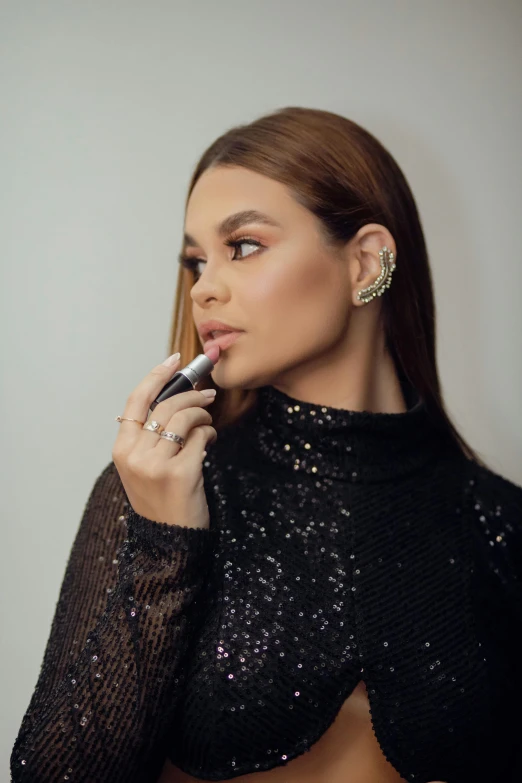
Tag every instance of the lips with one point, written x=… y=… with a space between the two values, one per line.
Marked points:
x=224 y=340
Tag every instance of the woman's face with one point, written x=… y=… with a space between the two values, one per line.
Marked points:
x=290 y=294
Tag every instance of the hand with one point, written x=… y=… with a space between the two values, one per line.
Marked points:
x=163 y=481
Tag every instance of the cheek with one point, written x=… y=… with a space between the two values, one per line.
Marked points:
x=304 y=300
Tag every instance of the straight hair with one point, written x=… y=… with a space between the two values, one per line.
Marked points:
x=343 y=175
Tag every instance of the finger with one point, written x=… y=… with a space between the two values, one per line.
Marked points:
x=181 y=423
x=144 y=440
x=142 y=396
x=197 y=441
x=140 y=399
x=179 y=404
x=189 y=399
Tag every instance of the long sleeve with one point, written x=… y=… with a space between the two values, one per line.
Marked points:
x=494 y=504
x=107 y=685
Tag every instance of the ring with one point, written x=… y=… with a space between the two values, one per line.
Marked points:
x=153 y=426
x=173 y=437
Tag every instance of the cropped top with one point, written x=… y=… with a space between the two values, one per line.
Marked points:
x=343 y=546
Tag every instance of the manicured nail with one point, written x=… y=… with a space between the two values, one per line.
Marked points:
x=208 y=392
x=171 y=360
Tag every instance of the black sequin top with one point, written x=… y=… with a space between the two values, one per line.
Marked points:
x=343 y=546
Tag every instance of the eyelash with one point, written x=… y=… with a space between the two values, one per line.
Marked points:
x=191 y=263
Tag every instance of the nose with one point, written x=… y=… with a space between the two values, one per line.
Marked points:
x=209 y=287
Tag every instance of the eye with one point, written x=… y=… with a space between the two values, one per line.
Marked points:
x=243 y=241
x=192 y=263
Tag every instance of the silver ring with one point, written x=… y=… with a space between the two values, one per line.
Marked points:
x=173 y=437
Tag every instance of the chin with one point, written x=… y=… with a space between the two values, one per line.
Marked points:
x=232 y=373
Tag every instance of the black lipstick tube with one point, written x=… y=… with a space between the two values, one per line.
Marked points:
x=186 y=378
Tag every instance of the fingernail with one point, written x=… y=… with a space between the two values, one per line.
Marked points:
x=204 y=454
x=171 y=360
x=208 y=392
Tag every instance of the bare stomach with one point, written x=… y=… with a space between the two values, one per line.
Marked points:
x=348 y=752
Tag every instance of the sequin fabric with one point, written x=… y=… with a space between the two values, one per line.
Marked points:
x=343 y=546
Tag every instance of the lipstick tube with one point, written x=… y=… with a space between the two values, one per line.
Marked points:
x=186 y=378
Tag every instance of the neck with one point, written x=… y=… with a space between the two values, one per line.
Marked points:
x=360 y=376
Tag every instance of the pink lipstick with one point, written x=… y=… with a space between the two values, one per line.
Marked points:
x=224 y=341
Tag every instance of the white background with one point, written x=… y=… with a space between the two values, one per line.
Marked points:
x=105 y=108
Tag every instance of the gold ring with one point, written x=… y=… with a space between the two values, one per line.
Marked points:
x=153 y=426
x=123 y=418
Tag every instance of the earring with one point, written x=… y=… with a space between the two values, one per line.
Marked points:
x=383 y=281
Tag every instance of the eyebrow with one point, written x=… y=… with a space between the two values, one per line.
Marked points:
x=235 y=221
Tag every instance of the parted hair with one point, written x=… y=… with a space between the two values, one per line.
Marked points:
x=343 y=175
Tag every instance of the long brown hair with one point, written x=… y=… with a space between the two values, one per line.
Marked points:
x=346 y=178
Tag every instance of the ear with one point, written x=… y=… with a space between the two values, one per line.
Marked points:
x=364 y=259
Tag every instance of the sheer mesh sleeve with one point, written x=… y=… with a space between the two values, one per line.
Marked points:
x=107 y=685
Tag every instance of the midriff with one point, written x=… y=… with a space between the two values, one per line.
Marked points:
x=348 y=752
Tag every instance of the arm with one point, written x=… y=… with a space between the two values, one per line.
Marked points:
x=107 y=685
x=495 y=507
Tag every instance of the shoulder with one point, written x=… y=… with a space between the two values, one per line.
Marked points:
x=493 y=503
x=493 y=492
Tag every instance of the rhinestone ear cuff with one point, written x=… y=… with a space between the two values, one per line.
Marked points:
x=383 y=281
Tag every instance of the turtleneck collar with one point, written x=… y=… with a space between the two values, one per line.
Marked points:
x=355 y=446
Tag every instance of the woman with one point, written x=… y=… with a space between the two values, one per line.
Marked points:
x=332 y=591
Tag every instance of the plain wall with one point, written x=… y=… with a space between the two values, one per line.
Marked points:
x=106 y=106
